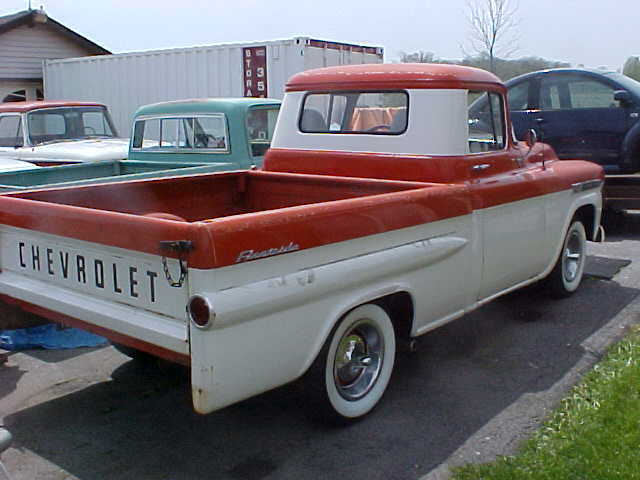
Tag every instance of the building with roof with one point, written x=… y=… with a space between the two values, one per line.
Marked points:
x=26 y=39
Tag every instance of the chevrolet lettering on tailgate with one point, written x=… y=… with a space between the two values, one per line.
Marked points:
x=133 y=281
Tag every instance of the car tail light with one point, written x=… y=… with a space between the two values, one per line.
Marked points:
x=200 y=311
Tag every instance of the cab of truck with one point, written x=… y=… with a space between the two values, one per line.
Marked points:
x=57 y=132
x=414 y=119
x=226 y=130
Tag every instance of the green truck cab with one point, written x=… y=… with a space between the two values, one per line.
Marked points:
x=174 y=138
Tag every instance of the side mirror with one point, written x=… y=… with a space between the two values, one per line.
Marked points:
x=622 y=96
x=531 y=138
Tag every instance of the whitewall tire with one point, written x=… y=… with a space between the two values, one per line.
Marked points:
x=567 y=273
x=353 y=369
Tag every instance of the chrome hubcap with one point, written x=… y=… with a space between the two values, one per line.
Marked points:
x=358 y=360
x=572 y=257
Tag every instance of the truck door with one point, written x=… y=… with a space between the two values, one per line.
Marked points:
x=510 y=214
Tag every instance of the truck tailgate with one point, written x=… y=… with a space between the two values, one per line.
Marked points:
x=118 y=290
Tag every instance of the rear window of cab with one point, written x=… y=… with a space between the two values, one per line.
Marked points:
x=188 y=132
x=379 y=113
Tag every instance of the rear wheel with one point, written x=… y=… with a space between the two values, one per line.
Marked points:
x=567 y=273
x=353 y=369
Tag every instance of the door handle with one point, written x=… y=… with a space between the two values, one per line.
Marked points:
x=540 y=120
x=480 y=167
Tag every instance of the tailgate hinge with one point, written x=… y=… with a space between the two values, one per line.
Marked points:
x=182 y=247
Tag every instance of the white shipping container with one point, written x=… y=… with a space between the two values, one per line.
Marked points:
x=126 y=81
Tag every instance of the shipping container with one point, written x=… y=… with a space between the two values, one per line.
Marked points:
x=126 y=81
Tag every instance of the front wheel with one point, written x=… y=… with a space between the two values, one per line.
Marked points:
x=567 y=273
x=353 y=369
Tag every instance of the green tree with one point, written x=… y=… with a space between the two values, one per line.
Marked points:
x=503 y=68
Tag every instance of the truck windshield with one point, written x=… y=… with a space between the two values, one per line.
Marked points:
x=68 y=123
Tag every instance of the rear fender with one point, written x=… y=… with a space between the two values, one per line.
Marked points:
x=265 y=334
x=365 y=296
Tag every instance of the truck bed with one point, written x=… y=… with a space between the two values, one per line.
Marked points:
x=100 y=172
x=225 y=213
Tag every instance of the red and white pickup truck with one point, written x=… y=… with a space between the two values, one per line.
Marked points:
x=256 y=278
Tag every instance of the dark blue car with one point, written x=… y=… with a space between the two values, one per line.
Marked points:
x=586 y=114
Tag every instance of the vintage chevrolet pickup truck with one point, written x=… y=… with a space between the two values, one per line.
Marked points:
x=258 y=278
x=52 y=133
x=180 y=137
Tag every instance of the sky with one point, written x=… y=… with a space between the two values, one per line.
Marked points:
x=593 y=33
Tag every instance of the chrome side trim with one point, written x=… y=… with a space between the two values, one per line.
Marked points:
x=586 y=185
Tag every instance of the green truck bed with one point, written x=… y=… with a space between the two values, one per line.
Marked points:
x=175 y=138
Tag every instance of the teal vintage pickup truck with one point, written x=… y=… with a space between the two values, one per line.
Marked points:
x=172 y=139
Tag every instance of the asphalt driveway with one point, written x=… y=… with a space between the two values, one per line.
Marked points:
x=92 y=414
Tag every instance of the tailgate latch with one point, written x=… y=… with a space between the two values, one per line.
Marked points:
x=182 y=247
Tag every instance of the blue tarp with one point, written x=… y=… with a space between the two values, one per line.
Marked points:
x=49 y=336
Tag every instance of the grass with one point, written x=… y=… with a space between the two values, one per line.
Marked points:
x=593 y=435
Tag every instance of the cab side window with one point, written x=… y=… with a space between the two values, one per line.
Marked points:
x=486 y=122
x=518 y=97
x=261 y=123
x=11 y=131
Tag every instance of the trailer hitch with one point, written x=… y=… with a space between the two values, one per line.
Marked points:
x=182 y=247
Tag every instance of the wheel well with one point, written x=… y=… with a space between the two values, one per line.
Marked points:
x=399 y=306
x=630 y=153
x=587 y=215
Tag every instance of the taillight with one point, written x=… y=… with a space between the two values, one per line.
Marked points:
x=199 y=310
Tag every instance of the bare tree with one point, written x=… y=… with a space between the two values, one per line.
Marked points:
x=493 y=24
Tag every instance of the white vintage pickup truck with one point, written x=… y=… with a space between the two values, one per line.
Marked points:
x=384 y=210
x=54 y=132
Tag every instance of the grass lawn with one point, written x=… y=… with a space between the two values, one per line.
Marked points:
x=593 y=435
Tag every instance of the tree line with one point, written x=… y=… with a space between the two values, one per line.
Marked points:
x=492 y=43
x=503 y=68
